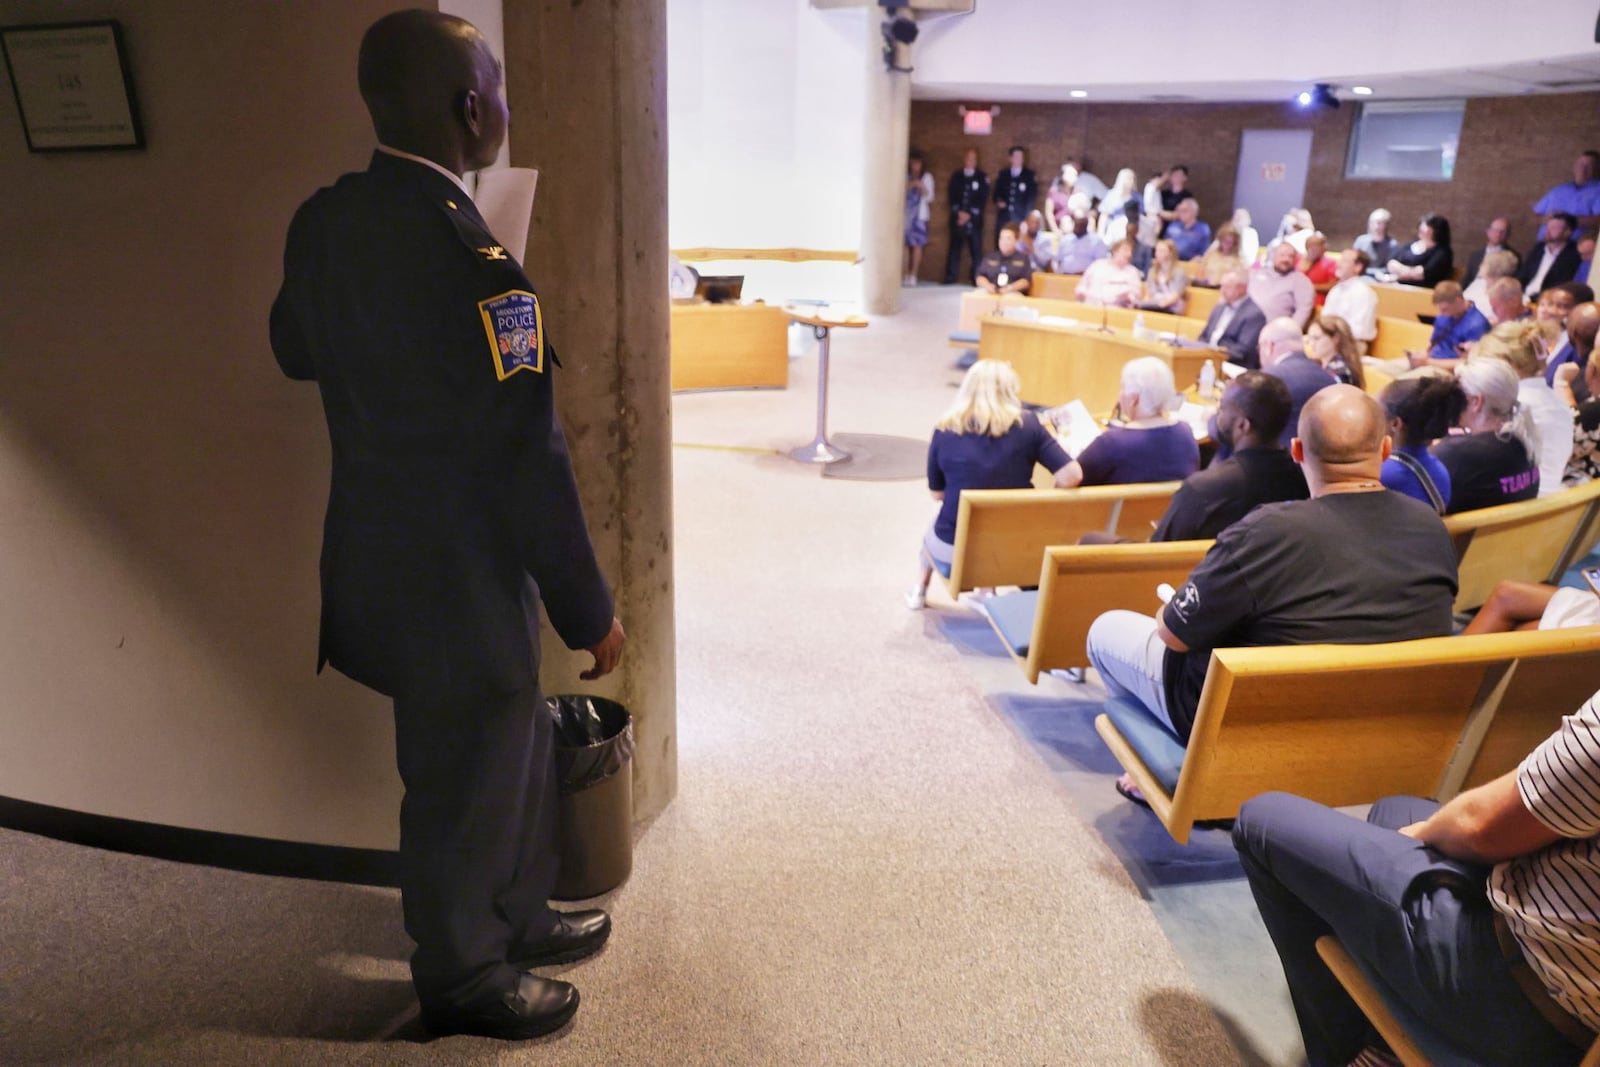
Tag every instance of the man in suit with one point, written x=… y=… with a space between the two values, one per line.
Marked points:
x=1495 y=238
x=1234 y=325
x=453 y=510
x=1015 y=189
x=968 y=192
x=1553 y=260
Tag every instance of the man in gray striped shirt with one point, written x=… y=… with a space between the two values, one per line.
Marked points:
x=1478 y=921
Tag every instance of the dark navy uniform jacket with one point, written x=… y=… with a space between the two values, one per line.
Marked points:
x=452 y=493
x=1015 y=197
x=968 y=194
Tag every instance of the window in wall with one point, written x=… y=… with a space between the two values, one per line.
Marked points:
x=1410 y=139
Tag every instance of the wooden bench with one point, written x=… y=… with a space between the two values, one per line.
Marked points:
x=1370 y=1001
x=1001 y=534
x=1348 y=724
x=1534 y=541
x=1048 y=629
x=1054 y=286
x=1404 y=302
x=1396 y=337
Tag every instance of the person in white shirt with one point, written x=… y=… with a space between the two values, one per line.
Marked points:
x=1480 y=919
x=1495 y=265
x=1517 y=344
x=1353 y=299
x=1249 y=239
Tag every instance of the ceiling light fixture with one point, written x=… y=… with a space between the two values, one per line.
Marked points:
x=1319 y=97
x=1078 y=94
x=1361 y=90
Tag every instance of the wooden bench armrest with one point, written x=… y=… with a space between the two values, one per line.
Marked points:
x=1371 y=1004
x=1154 y=792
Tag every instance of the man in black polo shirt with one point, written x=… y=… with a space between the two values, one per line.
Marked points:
x=1355 y=564
x=1253 y=413
x=1006 y=270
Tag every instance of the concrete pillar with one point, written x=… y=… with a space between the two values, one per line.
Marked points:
x=586 y=82
x=887 y=128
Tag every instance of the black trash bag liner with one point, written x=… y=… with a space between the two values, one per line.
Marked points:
x=594 y=739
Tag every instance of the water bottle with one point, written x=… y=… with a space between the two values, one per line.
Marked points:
x=1208 y=379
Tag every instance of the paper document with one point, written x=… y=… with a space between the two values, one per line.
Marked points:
x=1197 y=417
x=1074 y=426
x=505 y=200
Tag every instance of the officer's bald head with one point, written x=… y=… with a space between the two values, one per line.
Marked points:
x=1342 y=428
x=415 y=69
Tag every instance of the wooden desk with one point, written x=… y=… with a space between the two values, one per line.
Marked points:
x=975 y=305
x=1404 y=301
x=1057 y=364
x=729 y=346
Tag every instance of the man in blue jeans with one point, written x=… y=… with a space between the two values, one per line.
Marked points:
x=1478 y=921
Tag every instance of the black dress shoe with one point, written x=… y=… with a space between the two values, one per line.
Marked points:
x=578 y=935
x=537 y=1006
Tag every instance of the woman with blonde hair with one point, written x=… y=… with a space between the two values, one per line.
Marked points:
x=1496 y=461
x=1166 y=287
x=1225 y=254
x=1517 y=344
x=983 y=441
x=1330 y=343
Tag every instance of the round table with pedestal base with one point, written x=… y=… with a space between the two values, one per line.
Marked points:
x=821 y=450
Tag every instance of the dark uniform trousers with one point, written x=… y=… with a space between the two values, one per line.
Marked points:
x=453 y=510
x=967 y=193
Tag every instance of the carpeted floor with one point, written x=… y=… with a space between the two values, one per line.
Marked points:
x=878 y=853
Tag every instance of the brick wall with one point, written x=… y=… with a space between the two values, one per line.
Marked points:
x=1512 y=150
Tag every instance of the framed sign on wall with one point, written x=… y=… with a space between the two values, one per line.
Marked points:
x=72 y=86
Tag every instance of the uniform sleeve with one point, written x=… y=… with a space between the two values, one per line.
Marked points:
x=556 y=550
x=289 y=342
x=1216 y=598
x=990 y=267
x=935 y=472
x=1560 y=780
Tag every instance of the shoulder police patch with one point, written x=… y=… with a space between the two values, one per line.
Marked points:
x=516 y=332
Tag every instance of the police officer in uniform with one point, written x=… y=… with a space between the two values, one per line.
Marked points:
x=453 y=509
x=1015 y=189
x=968 y=194
x=1008 y=269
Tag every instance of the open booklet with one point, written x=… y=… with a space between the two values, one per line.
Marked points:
x=1074 y=427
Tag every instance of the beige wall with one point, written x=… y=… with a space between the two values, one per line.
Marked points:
x=161 y=486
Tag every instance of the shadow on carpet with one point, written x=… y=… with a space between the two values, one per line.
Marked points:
x=1062 y=732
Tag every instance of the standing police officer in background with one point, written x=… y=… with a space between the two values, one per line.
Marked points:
x=1015 y=189
x=453 y=510
x=968 y=193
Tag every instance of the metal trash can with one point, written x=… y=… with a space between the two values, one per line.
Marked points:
x=594 y=767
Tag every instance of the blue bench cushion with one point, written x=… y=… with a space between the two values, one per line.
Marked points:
x=965 y=337
x=1152 y=739
x=1012 y=616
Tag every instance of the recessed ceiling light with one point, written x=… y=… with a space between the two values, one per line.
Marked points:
x=1361 y=90
x=1078 y=94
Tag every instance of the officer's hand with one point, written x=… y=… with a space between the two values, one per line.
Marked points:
x=608 y=653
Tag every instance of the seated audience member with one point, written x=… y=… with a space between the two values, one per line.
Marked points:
x=1421 y=410
x=1234 y=325
x=1534 y=606
x=1175 y=192
x=1295 y=229
x=1113 y=282
x=1166 y=287
x=1427 y=261
x=1114 y=215
x=1550 y=311
x=1496 y=265
x=1456 y=326
x=1282 y=355
x=1006 y=270
x=1249 y=239
x=1148 y=446
x=1578 y=384
x=1586 y=258
x=1353 y=299
x=1553 y=260
x=1032 y=226
x=1505 y=301
x=1077 y=247
x=1353 y=564
x=1572 y=384
x=1461 y=915
x=1317 y=265
x=1251 y=418
x=1191 y=236
x=1220 y=258
x=1330 y=344
x=1379 y=247
x=1494 y=241
x=1579 y=197
x=1496 y=461
x=1280 y=290
x=1516 y=345
x=1072 y=180
x=984 y=441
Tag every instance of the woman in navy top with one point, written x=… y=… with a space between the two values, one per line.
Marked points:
x=1497 y=460
x=1421 y=410
x=984 y=441
x=1428 y=260
x=1148 y=446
